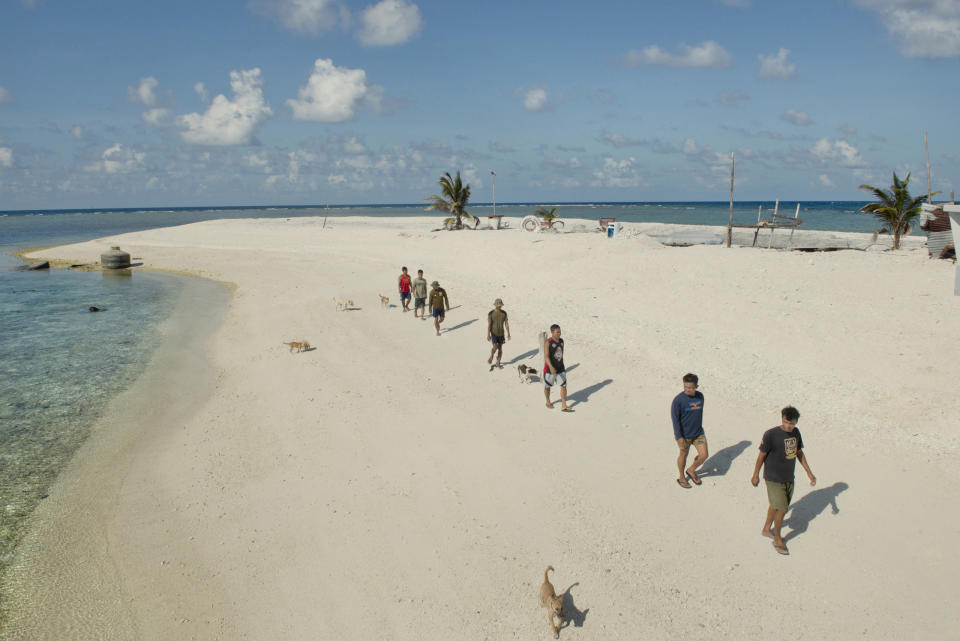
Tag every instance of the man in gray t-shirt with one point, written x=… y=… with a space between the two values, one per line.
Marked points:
x=420 y=295
x=780 y=449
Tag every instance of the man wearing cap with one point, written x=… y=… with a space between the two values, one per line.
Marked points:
x=438 y=304
x=496 y=324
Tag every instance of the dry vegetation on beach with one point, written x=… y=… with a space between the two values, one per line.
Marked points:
x=387 y=484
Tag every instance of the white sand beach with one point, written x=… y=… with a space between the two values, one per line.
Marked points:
x=388 y=485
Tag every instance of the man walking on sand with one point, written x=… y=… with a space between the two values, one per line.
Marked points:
x=687 y=414
x=420 y=295
x=780 y=449
x=553 y=370
x=403 y=284
x=439 y=303
x=496 y=324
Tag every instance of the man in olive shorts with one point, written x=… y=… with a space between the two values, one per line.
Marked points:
x=780 y=449
x=687 y=414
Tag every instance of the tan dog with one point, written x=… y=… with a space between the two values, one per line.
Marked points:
x=554 y=603
x=384 y=301
x=342 y=303
x=300 y=346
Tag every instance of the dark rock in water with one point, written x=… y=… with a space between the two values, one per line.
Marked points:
x=33 y=267
x=95 y=309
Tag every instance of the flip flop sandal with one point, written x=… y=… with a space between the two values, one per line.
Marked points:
x=695 y=479
x=781 y=549
x=683 y=484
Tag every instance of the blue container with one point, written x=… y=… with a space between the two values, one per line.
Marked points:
x=611 y=228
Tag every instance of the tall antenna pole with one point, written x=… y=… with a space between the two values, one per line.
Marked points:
x=494 y=182
x=927 y=149
x=730 y=224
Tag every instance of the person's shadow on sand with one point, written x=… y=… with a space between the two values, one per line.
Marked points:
x=810 y=507
x=581 y=396
x=517 y=359
x=570 y=612
x=719 y=464
x=463 y=324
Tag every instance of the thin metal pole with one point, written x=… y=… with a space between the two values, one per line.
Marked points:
x=494 y=174
x=730 y=224
x=927 y=149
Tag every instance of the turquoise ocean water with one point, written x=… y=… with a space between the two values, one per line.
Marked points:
x=61 y=364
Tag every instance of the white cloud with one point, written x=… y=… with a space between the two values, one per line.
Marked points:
x=144 y=92
x=353 y=146
x=615 y=173
x=5 y=95
x=227 y=122
x=689 y=146
x=6 y=157
x=77 y=132
x=839 y=151
x=620 y=141
x=257 y=160
x=706 y=55
x=333 y=94
x=304 y=16
x=776 y=66
x=156 y=117
x=201 y=91
x=389 y=22
x=536 y=99
x=825 y=180
x=799 y=118
x=118 y=159
x=923 y=28
x=732 y=97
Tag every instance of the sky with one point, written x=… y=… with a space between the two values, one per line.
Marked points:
x=127 y=103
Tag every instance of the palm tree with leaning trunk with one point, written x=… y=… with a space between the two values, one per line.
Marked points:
x=895 y=208
x=452 y=199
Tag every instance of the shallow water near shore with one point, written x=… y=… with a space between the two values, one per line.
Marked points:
x=59 y=366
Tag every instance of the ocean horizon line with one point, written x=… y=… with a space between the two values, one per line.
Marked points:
x=591 y=203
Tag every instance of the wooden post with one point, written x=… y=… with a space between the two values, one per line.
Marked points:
x=730 y=224
x=326 y=211
x=773 y=222
x=756 y=232
x=927 y=150
x=794 y=228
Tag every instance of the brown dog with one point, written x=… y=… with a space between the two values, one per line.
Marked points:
x=554 y=604
x=300 y=346
x=384 y=301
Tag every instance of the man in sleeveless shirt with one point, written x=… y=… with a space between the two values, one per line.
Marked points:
x=498 y=331
x=554 y=373
x=403 y=285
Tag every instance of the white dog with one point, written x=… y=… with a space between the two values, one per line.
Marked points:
x=342 y=303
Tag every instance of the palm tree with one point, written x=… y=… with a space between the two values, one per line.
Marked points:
x=546 y=214
x=453 y=199
x=895 y=208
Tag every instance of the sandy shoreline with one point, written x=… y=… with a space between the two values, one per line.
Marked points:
x=386 y=485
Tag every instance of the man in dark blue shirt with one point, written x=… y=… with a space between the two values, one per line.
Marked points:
x=687 y=415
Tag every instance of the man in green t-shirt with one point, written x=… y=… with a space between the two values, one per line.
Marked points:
x=439 y=304
x=497 y=324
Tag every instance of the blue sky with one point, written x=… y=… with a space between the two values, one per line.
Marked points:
x=128 y=103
